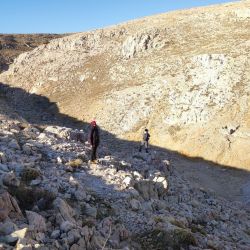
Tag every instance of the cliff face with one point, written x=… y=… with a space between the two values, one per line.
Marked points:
x=183 y=74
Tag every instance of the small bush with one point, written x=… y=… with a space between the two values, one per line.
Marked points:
x=28 y=196
x=29 y=174
x=75 y=163
x=159 y=239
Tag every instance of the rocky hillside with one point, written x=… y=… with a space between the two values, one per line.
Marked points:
x=13 y=45
x=51 y=197
x=183 y=74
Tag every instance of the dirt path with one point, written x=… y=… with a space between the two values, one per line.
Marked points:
x=231 y=184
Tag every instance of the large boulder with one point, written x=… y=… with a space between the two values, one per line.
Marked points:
x=58 y=132
x=152 y=189
x=9 y=207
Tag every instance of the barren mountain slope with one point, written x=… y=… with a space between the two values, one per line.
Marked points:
x=12 y=45
x=183 y=74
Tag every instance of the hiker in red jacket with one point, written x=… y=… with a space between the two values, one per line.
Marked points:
x=94 y=139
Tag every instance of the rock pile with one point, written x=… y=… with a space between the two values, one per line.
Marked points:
x=51 y=197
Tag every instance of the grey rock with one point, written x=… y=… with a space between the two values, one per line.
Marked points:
x=36 y=221
x=9 y=207
x=135 y=205
x=3 y=168
x=89 y=210
x=55 y=234
x=13 y=144
x=9 y=239
x=9 y=179
x=65 y=211
x=7 y=228
x=80 y=194
x=66 y=226
x=35 y=182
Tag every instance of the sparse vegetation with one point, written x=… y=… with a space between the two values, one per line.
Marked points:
x=13 y=45
x=77 y=163
x=161 y=240
x=29 y=174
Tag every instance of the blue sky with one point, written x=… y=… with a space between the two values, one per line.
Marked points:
x=61 y=16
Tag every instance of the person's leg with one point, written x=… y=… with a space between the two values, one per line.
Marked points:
x=94 y=152
x=146 y=146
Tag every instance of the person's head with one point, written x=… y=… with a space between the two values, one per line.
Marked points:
x=93 y=123
x=146 y=130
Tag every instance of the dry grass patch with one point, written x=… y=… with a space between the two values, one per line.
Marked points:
x=77 y=163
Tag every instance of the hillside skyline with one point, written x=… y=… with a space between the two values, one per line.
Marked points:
x=78 y=16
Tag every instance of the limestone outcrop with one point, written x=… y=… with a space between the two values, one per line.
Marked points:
x=184 y=75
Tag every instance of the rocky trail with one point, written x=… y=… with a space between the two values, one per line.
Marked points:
x=172 y=73
x=224 y=181
x=231 y=184
x=127 y=200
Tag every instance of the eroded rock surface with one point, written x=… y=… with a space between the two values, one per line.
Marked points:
x=183 y=74
x=140 y=201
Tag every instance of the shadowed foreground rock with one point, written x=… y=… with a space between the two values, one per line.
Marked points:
x=136 y=202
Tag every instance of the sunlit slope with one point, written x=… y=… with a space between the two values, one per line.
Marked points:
x=184 y=75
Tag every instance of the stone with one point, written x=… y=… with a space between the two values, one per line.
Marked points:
x=73 y=236
x=133 y=192
x=161 y=185
x=40 y=237
x=10 y=179
x=55 y=234
x=9 y=207
x=89 y=210
x=36 y=221
x=35 y=182
x=10 y=240
x=7 y=227
x=26 y=244
x=146 y=189
x=65 y=211
x=27 y=149
x=128 y=181
x=76 y=247
x=135 y=205
x=21 y=233
x=82 y=244
x=16 y=167
x=77 y=136
x=13 y=144
x=66 y=226
x=80 y=194
x=4 y=168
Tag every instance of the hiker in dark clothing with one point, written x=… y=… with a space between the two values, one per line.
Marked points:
x=94 y=139
x=145 y=139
